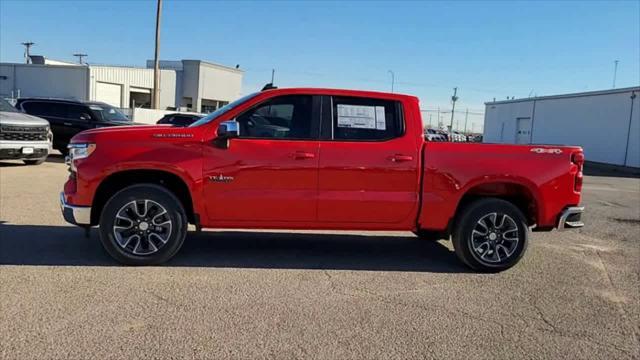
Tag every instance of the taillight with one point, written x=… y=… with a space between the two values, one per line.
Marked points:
x=578 y=159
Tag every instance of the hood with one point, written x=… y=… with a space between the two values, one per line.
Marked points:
x=21 y=119
x=135 y=132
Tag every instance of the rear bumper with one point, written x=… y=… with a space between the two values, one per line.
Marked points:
x=76 y=215
x=570 y=218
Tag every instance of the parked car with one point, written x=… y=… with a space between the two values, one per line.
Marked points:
x=178 y=119
x=434 y=135
x=458 y=137
x=444 y=134
x=23 y=137
x=349 y=160
x=69 y=117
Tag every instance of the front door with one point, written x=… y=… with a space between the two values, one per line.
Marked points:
x=368 y=163
x=523 y=130
x=269 y=173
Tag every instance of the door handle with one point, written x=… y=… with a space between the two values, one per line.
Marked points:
x=303 y=155
x=401 y=158
x=66 y=123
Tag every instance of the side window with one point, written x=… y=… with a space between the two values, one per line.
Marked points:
x=182 y=120
x=287 y=117
x=362 y=119
x=44 y=108
x=76 y=112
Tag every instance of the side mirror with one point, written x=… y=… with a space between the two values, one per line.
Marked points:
x=227 y=130
x=84 y=116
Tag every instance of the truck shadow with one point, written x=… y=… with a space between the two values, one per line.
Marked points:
x=67 y=246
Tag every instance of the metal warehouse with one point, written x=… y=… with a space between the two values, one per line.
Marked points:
x=191 y=85
x=605 y=123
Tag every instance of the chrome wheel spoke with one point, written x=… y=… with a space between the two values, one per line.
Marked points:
x=484 y=225
x=156 y=236
x=478 y=233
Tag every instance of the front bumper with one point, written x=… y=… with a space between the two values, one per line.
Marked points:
x=12 y=150
x=570 y=218
x=76 y=215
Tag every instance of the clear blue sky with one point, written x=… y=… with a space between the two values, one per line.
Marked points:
x=486 y=49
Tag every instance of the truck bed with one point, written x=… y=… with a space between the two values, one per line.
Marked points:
x=455 y=172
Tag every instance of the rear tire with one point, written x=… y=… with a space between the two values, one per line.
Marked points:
x=34 y=162
x=490 y=235
x=143 y=225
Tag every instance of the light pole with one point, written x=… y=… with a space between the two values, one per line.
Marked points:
x=393 y=79
x=615 y=72
x=454 y=98
x=27 y=48
x=80 y=56
x=466 y=116
x=156 y=62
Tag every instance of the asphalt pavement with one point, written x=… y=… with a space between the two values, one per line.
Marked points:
x=280 y=294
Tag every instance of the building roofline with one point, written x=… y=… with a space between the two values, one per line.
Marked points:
x=564 y=96
x=223 y=67
x=83 y=66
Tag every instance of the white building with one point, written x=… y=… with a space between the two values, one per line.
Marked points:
x=188 y=84
x=605 y=123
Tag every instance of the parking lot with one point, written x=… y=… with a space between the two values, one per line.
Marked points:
x=278 y=294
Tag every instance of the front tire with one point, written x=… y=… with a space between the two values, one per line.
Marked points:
x=490 y=235
x=143 y=225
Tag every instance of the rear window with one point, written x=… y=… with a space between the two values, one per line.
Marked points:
x=363 y=119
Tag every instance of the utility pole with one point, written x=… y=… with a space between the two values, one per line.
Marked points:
x=439 y=121
x=27 y=48
x=430 y=125
x=615 y=72
x=80 y=56
x=273 y=75
x=393 y=79
x=156 y=61
x=454 y=98
x=466 y=117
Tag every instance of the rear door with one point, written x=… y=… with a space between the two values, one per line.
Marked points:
x=368 y=163
x=269 y=175
x=523 y=131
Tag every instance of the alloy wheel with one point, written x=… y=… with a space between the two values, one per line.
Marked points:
x=142 y=227
x=494 y=238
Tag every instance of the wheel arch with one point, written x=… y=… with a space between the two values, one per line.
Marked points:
x=119 y=180
x=520 y=194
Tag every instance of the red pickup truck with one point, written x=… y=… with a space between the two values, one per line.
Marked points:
x=316 y=159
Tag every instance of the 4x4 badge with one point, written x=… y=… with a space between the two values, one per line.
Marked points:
x=221 y=178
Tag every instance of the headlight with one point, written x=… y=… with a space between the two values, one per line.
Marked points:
x=79 y=151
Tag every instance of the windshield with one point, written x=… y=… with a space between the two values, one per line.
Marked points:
x=222 y=110
x=6 y=106
x=108 y=113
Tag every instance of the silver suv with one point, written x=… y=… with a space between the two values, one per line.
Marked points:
x=23 y=137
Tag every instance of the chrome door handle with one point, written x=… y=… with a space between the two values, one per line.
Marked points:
x=303 y=155
x=67 y=124
x=401 y=158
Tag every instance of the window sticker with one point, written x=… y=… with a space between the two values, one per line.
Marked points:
x=381 y=122
x=361 y=117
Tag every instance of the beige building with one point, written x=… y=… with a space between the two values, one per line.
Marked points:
x=190 y=85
